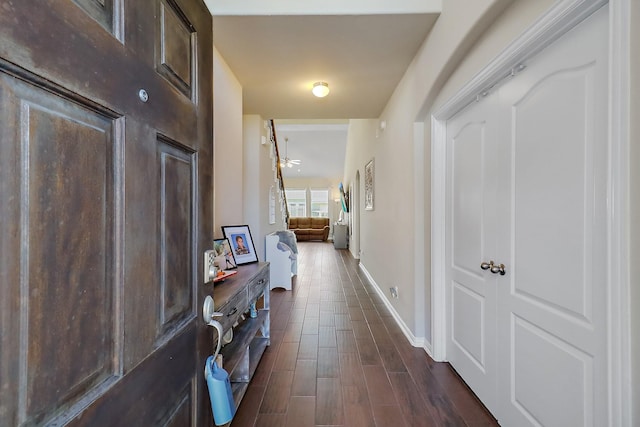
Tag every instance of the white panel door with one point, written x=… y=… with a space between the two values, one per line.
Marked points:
x=471 y=343
x=552 y=305
x=527 y=189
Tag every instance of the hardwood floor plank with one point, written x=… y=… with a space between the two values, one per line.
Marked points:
x=287 y=356
x=265 y=367
x=304 y=379
x=379 y=387
x=310 y=325
x=326 y=319
x=276 y=396
x=361 y=329
x=327 y=337
x=308 y=347
x=292 y=332
x=414 y=408
x=357 y=409
x=386 y=416
x=356 y=313
x=351 y=373
x=329 y=403
x=346 y=342
x=248 y=410
x=391 y=359
x=343 y=322
x=297 y=315
x=302 y=412
x=328 y=365
x=368 y=351
x=270 y=420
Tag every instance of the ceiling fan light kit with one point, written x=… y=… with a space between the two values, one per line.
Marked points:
x=287 y=162
x=320 y=89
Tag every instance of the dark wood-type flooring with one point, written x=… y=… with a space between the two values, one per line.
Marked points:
x=338 y=358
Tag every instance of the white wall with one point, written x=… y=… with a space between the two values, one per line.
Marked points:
x=243 y=171
x=258 y=178
x=227 y=147
x=395 y=237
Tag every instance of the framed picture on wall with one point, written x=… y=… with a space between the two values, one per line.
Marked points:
x=241 y=243
x=369 y=175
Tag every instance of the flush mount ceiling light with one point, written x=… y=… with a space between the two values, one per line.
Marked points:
x=320 y=89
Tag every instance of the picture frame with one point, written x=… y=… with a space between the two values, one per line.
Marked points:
x=369 y=178
x=241 y=242
x=224 y=254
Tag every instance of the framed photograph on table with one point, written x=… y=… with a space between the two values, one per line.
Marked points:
x=242 y=246
x=224 y=254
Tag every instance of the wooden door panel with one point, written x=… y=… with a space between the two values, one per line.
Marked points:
x=176 y=195
x=100 y=10
x=63 y=191
x=109 y=201
x=172 y=385
x=175 y=40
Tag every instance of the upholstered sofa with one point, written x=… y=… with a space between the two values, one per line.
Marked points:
x=310 y=228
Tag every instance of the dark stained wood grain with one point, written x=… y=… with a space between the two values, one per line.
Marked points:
x=328 y=364
x=304 y=379
x=308 y=347
x=380 y=391
x=346 y=342
x=329 y=402
x=287 y=356
x=301 y=412
x=103 y=224
x=327 y=337
x=276 y=396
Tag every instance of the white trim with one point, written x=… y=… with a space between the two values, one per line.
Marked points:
x=619 y=331
x=560 y=18
x=413 y=340
x=563 y=16
x=419 y=225
x=438 y=238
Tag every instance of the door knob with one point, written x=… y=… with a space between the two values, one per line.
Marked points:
x=486 y=265
x=495 y=269
x=492 y=267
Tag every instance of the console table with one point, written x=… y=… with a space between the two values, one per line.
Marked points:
x=232 y=298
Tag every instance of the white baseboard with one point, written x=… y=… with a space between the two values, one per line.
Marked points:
x=413 y=340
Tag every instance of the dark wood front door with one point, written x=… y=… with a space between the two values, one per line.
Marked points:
x=105 y=209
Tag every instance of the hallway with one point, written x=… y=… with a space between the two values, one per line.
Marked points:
x=337 y=358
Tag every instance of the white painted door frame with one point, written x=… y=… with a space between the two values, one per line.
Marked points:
x=563 y=16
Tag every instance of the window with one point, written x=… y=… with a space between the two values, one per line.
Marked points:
x=296 y=202
x=320 y=203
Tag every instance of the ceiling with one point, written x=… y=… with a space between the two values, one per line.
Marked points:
x=319 y=146
x=277 y=49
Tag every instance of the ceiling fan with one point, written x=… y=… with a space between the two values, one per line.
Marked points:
x=287 y=162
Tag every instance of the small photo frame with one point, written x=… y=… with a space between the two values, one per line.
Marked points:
x=241 y=243
x=224 y=254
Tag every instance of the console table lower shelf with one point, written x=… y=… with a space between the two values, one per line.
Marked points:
x=251 y=336
x=241 y=356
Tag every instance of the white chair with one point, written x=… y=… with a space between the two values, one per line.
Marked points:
x=282 y=254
